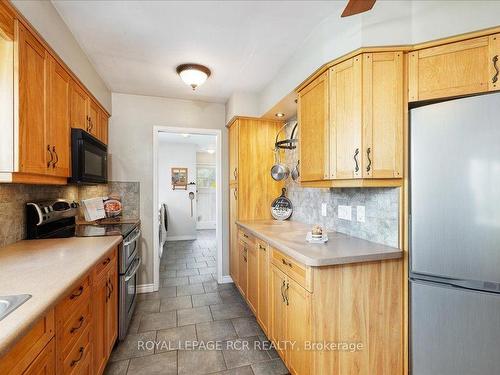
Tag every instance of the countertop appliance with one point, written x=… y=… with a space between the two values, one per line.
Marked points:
x=455 y=237
x=89 y=158
x=57 y=219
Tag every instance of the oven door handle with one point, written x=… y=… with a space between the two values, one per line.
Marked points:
x=133 y=239
x=127 y=278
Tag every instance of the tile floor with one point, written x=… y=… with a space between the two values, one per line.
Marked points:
x=192 y=307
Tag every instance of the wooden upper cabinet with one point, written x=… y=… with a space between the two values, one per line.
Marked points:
x=454 y=69
x=79 y=111
x=233 y=152
x=345 y=119
x=313 y=122
x=58 y=124
x=103 y=127
x=94 y=118
x=383 y=115
x=34 y=150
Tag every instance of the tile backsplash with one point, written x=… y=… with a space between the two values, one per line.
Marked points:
x=13 y=198
x=381 y=223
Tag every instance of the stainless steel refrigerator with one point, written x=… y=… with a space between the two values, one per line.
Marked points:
x=455 y=237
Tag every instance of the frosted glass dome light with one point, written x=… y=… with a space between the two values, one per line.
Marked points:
x=193 y=75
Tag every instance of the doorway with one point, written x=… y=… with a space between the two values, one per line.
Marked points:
x=187 y=195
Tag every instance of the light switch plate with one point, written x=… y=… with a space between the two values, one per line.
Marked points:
x=323 y=209
x=345 y=212
x=360 y=213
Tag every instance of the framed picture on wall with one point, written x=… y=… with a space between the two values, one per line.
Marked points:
x=179 y=178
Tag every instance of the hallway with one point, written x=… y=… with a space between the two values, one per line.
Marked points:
x=191 y=307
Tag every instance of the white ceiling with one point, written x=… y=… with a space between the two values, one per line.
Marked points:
x=135 y=46
x=203 y=142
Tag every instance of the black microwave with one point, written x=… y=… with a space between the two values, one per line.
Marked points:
x=89 y=159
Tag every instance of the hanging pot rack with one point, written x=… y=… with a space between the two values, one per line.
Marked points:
x=286 y=144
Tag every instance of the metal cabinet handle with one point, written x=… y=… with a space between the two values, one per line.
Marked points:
x=75 y=361
x=369 y=166
x=51 y=156
x=286 y=263
x=108 y=259
x=235 y=193
x=282 y=293
x=111 y=286
x=244 y=235
x=80 y=321
x=77 y=294
x=356 y=153
x=57 y=156
x=88 y=123
x=107 y=291
x=286 y=293
x=262 y=247
x=235 y=173
x=495 y=77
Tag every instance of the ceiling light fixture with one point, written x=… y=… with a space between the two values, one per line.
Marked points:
x=185 y=135
x=211 y=151
x=193 y=75
x=280 y=114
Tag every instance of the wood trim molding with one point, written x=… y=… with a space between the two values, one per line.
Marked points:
x=235 y=118
x=18 y=15
x=369 y=182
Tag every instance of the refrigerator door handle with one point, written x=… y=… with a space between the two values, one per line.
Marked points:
x=482 y=286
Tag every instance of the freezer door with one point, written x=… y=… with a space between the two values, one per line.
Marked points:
x=454 y=331
x=455 y=189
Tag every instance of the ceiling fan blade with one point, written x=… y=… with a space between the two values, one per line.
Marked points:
x=357 y=6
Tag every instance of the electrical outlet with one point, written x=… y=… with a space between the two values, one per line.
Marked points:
x=323 y=209
x=360 y=213
x=345 y=212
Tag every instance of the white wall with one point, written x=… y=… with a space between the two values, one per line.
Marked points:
x=131 y=153
x=388 y=23
x=47 y=21
x=181 y=226
x=242 y=104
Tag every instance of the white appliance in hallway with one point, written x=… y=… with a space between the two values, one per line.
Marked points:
x=455 y=237
x=163 y=216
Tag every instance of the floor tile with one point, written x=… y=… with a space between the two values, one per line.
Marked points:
x=200 y=279
x=187 y=290
x=175 y=281
x=134 y=345
x=148 y=306
x=187 y=272
x=193 y=316
x=247 y=327
x=230 y=311
x=175 y=303
x=175 y=338
x=155 y=321
x=207 y=270
x=157 y=364
x=246 y=370
x=242 y=352
x=117 y=368
x=206 y=299
x=273 y=367
x=167 y=274
x=213 y=331
x=197 y=362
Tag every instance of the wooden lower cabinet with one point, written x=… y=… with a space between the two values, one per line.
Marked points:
x=78 y=334
x=242 y=268
x=252 y=278
x=263 y=286
x=278 y=311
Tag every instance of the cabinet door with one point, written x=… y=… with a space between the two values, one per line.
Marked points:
x=94 y=117
x=253 y=279
x=263 y=310
x=44 y=363
x=453 y=69
x=243 y=268
x=382 y=115
x=100 y=346
x=34 y=151
x=278 y=310
x=233 y=234
x=78 y=110
x=345 y=119
x=298 y=310
x=314 y=129
x=112 y=309
x=103 y=127
x=58 y=124
x=233 y=152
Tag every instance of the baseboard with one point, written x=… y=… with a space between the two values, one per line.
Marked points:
x=145 y=288
x=227 y=279
x=181 y=238
x=205 y=225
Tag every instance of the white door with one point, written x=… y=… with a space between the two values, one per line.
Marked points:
x=206 y=197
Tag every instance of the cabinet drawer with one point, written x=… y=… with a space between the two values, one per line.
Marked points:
x=73 y=327
x=297 y=271
x=27 y=349
x=104 y=264
x=80 y=293
x=246 y=238
x=79 y=352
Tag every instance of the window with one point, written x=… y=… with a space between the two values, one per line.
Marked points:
x=205 y=176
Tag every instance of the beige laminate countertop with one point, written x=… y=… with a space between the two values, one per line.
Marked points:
x=290 y=238
x=46 y=269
